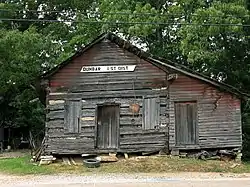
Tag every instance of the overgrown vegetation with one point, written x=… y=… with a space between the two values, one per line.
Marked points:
x=157 y=165
x=211 y=37
x=22 y=166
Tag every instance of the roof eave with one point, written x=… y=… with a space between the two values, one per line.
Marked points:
x=77 y=53
x=215 y=83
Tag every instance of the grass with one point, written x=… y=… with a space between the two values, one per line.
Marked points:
x=22 y=166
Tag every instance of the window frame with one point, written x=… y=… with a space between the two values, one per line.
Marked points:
x=78 y=109
x=156 y=118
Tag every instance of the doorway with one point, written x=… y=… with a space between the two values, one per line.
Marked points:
x=108 y=126
x=186 y=123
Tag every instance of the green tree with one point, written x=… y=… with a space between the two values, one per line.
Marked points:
x=215 y=47
x=23 y=56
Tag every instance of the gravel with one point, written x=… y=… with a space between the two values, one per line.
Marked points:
x=21 y=181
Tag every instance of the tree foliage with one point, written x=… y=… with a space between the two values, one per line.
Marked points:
x=221 y=51
x=24 y=55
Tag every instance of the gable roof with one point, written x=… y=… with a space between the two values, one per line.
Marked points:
x=150 y=58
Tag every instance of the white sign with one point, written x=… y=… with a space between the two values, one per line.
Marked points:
x=90 y=69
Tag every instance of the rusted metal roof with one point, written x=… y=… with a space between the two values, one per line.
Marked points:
x=150 y=58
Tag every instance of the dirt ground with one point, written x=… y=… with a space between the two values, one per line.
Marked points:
x=122 y=180
x=14 y=154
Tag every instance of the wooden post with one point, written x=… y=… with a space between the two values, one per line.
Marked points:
x=175 y=152
x=126 y=155
x=238 y=156
x=1 y=146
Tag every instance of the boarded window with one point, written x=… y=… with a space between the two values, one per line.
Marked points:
x=151 y=113
x=72 y=116
x=185 y=123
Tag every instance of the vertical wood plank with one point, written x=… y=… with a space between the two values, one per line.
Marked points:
x=79 y=114
x=191 y=123
x=158 y=112
x=184 y=126
x=110 y=125
x=148 y=114
x=195 y=125
x=118 y=126
x=177 y=123
x=96 y=127
x=143 y=113
x=190 y=126
x=151 y=109
x=71 y=117
x=66 y=116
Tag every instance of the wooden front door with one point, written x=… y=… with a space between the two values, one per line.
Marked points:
x=108 y=126
x=186 y=123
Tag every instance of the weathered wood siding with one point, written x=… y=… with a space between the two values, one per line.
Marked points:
x=122 y=88
x=219 y=115
x=145 y=76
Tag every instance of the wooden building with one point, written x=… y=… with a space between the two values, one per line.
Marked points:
x=112 y=97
